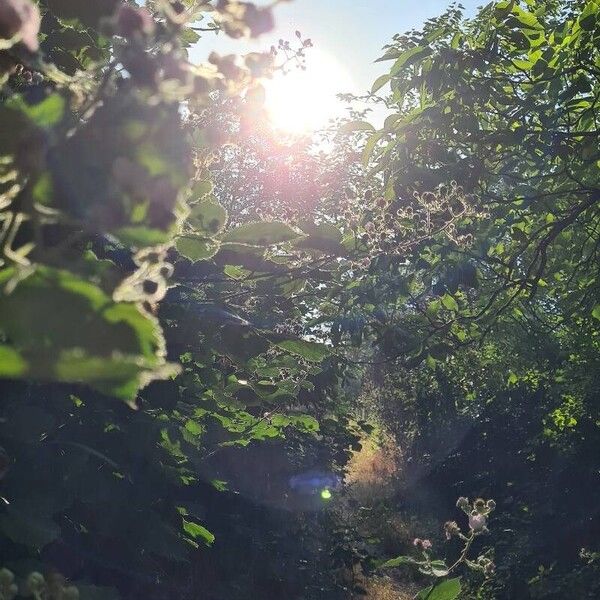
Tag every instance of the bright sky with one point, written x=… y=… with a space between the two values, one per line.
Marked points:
x=348 y=36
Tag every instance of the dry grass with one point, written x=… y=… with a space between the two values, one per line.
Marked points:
x=373 y=470
x=383 y=588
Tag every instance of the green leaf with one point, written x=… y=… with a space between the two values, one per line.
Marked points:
x=196 y=247
x=198 y=532
x=398 y=561
x=67 y=329
x=433 y=308
x=201 y=189
x=304 y=423
x=356 y=126
x=119 y=376
x=310 y=351
x=445 y=590
x=12 y=363
x=323 y=237
x=262 y=234
x=589 y=16
x=379 y=83
x=326 y=231
x=596 y=312
x=526 y=19
x=235 y=272
x=46 y=113
x=370 y=147
x=449 y=302
x=207 y=217
x=408 y=57
x=390 y=54
x=436 y=568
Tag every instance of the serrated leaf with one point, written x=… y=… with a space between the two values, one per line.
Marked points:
x=67 y=329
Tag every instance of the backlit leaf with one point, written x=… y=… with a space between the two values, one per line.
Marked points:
x=262 y=234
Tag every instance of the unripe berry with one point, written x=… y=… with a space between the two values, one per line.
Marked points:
x=178 y=7
x=35 y=582
x=150 y=287
x=462 y=503
x=6 y=577
x=451 y=529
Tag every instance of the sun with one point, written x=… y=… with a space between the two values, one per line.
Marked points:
x=302 y=101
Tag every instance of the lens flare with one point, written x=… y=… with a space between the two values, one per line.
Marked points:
x=302 y=101
x=326 y=494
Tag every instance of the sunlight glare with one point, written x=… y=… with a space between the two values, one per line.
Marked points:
x=302 y=101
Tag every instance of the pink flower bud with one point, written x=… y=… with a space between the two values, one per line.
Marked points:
x=20 y=19
x=132 y=22
x=259 y=20
x=477 y=521
x=422 y=544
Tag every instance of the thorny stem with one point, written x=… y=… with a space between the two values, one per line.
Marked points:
x=464 y=553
